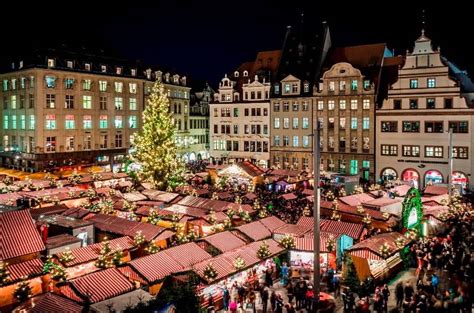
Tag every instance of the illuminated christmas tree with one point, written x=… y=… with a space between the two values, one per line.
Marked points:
x=263 y=251
x=117 y=257
x=139 y=239
x=4 y=274
x=23 y=290
x=66 y=256
x=152 y=248
x=153 y=217
x=156 y=150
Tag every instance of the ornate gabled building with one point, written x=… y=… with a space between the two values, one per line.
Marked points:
x=412 y=125
x=291 y=107
x=239 y=115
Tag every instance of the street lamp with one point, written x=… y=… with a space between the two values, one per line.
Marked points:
x=316 y=212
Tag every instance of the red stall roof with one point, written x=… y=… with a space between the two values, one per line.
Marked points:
x=28 y=268
x=255 y=230
x=188 y=254
x=272 y=222
x=224 y=241
x=156 y=266
x=373 y=244
x=49 y=302
x=353 y=230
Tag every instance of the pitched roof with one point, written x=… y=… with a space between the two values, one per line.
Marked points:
x=374 y=243
x=49 y=302
x=28 y=268
x=203 y=203
x=156 y=267
x=224 y=241
x=101 y=285
x=188 y=254
x=18 y=235
x=255 y=230
x=306 y=243
x=272 y=222
x=354 y=200
x=353 y=230
x=292 y=229
x=435 y=190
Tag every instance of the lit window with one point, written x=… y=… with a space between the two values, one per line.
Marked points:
x=295 y=141
x=118 y=121
x=69 y=102
x=354 y=170
x=354 y=123
x=331 y=104
x=133 y=87
x=51 y=62
x=22 y=121
x=365 y=123
x=50 y=101
x=366 y=84
x=87 y=102
x=50 y=81
x=118 y=86
x=118 y=103
x=332 y=86
x=305 y=123
x=23 y=82
x=87 y=66
x=5 y=85
x=431 y=82
x=413 y=83
x=320 y=105
x=50 y=144
x=306 y=87
x=295 y=122
x=13 y=84
x=69 y=121
x=276 y=123
x=5 y=122
x=354 y=85
x=50 y=121
x=69 y=64
x=87 y=143
x=104 y=142
x=366 y=104
x=305 y=141
x=342 y=122
x=102 y=85
x=13 y=101
x=342 y=85
x=342 y=104
x=32 y=122
x=286 y=123
x=70 y=143
x=69 y=83
x=103 y=121
x=132 y=121
x=287 y=88
x=103 y=68
x=133 y=72
x=87 y=122
x=132 y=104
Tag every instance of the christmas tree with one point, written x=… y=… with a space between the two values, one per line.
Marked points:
x=156 y=150
x=23 y=290
x=66 y=256
x=117 y=258
x=152 y=248
x=4 y=274
x=153 y=217
x=350 y=276
x=139 y=239
x=263 y=251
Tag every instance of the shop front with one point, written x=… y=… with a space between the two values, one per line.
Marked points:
x=411 y=176
x=388 y=174
x=433 y=177
x=459 y=178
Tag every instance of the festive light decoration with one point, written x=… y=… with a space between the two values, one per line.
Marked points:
x=385 y=250
x=106 y=206
x=90 y=193
x=75 y=178
x=129 y=206
x=374 y=187
x=212 y=216
x=153 y=217
x=117 y=257
x=331 y=244
x=210 y=272
x=412 y=210
x=23 y=290
x=386 y=215
x=230 y=213
x=155 y=145
x=330 y=196
x=400 y=242
x=96 y=177
x=335 y=213
x=216 y=228
x=192 y=235
x=342 y=192
x=287 y=241
x=66 y=256
x=262 y=213
x=174 y=222
x=214 y=196
x=360 y=209
x=358 y=190
x=56 y=271
x=367 y=220
x=152 y=248
x=412 y=234
x=239 y=263
x=4 y=274
x=227 y=223
x=138 y=239
x=263 y=251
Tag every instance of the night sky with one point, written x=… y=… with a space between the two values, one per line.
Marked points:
x=204 y=39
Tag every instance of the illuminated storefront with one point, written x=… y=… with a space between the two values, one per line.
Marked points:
x=433 y=177
x=389 y=174
x=410 y=175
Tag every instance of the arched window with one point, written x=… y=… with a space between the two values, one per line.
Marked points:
x=236 y=74
x=246 y=73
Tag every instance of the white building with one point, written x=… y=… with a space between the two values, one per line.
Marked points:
x=239 y=121
x=412 y=125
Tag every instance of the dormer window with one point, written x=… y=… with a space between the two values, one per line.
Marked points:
x=236 y=74
x=87 y=66
x=133 y=72
x=332 y=86
x=118 y=70
x=148 y=74
x=103 y=68
x=228 y=97
x=306 y=87
x=366 y=84
x=287 y=88
x=51 y=63
x=167 y=77
x=21 y=65
x=175 y=79
x=277 y=89
x=246 y=73
x=69 y=64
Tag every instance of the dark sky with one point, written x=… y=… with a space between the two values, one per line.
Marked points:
x=204 y=39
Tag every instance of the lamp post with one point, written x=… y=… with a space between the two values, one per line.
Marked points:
x=450 y=162
x=316 y=211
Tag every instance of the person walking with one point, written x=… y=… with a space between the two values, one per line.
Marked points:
x=265 y=299
x=435 y=283
x=399 y=292
x=225 y=298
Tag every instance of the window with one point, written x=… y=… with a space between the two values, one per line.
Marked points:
x=276 y=141
x=50 y=144
x=413 y=83
x=265 y=129
x=411 y=151
x=246 y=129
x=216 y=129
x=69 y=102
x=87 y=122
x=342 y=104
x=103 y=103
x=391 y=150
x=295 y=87
x=433 y=151
x=86 y=84
x=277 y=89
x=460 y=152
x=50 y=81
x=286 y=106
x=31 y=101
x=69 y=83
x=320 y=122
x=87 y=142
x=70 y=143
x=320 y=105
x=5 y=122
x=286 y=141
x=459 y=127
x=246 y=112
x=295 y=141
x=397 y=104
x=69 y=122
x=305 y=141
x=276 y=123
x=23 y=82
x=448 y=103
x=51 y=62
x=50 y=101
x=342 y=144
x=132 y=103
x=32 y=122
x=276 y=106
x=118 y=141
x=411 y=127
x=118 y=86
x=13 y=121
x=102 y=85
x=354 y=85
x=103 y=68
x=431 y=82
x=287 y=88
x=32 y=81
x=306 y=87
x=5 y=102
x=118 y=121
x=5 y=85
x=103 y=121
x=305 y=123
x=430 y=103
x=366 y=123
x=69 y=64
x=413 y=104
x=354 y=169
x=342 y=85
x=332 y=86
x=236 y=112
x=286 y=123
x=434 y=127
x=104 y=141
x=132 y=121
x=87 y=102
x=50 y=121
x=366 y=84
x=295 y=122
x=236 y=129
x=22 y=121
x=389 y=126
x=265 y=111
x=331 y=105
x=304 y=106
x=354 y=104
x=366 y=104
x=354 y=123
x=132 y=87
x=331 y=123
x=118 y=103
x=342 y=122
x=295 y=106
x=13 y=101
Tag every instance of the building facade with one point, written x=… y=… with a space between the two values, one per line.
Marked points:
x=344 y=108
x=413 y=123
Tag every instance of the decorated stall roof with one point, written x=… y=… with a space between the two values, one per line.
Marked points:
x=272 y=222
x=370 y=247
x=134 y=196
x=306 y=243
x=19 y=235
x=401 y=190
x=250 y=196
x=29 y=268
x=155 y=267
x=353 y=230
x=216 y=205
x=76 y=212
x=289 y=196
x=157 y=195
x=436 y=200
x=187 y=254
x=224 y=241
x=122 y=302
x=92 y=252
x=381 y=202
x=435 y=211
x=255 y=230
x=49 y=302
x=61 y=240
x=186 y=210
x=244 y=169
x=50 y=210
x=9 y=198
x=355 y=200
x=292 y=229
x=219 y=216
x=344 y=208
x=225 y=196
x=99 y=286
x=435 y=190
x=236 y=206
